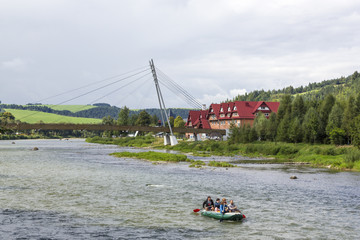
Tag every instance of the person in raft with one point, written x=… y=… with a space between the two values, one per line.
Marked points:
x=232 y=207
x=223 y=206
x=208 y=204
x=217 y=205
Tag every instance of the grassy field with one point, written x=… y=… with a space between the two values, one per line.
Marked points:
x=71 y=108
x=34 y=117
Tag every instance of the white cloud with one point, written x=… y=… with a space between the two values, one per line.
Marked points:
x=210 y=47
x=13 y=64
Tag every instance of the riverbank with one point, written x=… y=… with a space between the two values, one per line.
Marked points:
x=316 y=155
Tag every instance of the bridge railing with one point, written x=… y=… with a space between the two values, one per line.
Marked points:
x=102 y=127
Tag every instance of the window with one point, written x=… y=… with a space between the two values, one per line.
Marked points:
x=221 y=109
x=266 y=114
x=229 y=109
x=235 y=108
x=212 y=110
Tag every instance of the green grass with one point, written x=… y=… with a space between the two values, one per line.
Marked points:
x=219 y=164
x=153 y=156
x=35 y=116
x=318 y=155
x=139 y=141
x=71 y=108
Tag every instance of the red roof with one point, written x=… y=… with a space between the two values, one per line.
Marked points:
x=198 y=119
x=243 y=109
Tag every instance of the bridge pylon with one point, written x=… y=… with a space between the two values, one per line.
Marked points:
x=168 y=139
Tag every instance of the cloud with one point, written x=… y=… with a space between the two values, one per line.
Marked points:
x=211 y=48
x=14 y=64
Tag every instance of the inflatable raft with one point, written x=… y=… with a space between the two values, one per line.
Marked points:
x=233 y=216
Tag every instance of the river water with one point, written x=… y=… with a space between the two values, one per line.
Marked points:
x=75 y=190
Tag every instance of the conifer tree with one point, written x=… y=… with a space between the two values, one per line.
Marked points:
x=295 y=131
x=283 y=128
x=123 y=116
x=271 y=127
x=260 y=126
x=311 y=126
x=349 y=115
x=284 y=108
x=324 y=111
x=298 y=108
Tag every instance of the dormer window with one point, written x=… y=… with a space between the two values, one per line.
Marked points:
x=221 y=109
x=235 y=108
x=229 y=109
x=212 y=110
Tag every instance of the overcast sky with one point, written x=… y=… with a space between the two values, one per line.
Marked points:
x=214 y=49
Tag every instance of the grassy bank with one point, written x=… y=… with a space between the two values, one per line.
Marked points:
x=140 y=141
x=317 y=155
x=153 y=156
x=169 y=157
x=338 y=157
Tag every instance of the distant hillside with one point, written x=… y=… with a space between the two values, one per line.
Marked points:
x=87 y=111
x=341 y=88
x=29 y=117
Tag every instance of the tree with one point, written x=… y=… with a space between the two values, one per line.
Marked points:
x=6 y=117
x=108 y=121
x=260 y=126
x=124 y=116
x=311 y=125
x=357 y=105
x=133 y=119
x=144 y=119
x=337 y=136
x=283 y=128
x=349 y=115
x=324 y=111
x=335 y=118
x=298 y=108
x=284 y=108
x=179 y=122
x=355 y=132
x=295 y=131
x=271 y=127
x=154 y=120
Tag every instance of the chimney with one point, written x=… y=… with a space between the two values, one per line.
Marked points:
x=204 y=107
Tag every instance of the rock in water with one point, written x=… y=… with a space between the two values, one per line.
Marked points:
x=293 y=177
x=35 y=149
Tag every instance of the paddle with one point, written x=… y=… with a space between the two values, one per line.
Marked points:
x=196 y=210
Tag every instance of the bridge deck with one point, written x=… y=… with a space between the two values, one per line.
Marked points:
x=100 y=127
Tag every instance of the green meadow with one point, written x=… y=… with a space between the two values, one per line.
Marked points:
x=71 y=108
x=35 y=116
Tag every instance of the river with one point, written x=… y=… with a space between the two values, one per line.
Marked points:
x=75 y=190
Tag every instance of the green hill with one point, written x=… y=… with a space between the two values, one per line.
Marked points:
x=341 y=88
x=71 y=108
x=36 y=116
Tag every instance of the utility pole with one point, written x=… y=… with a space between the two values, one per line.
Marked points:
x=167 y=139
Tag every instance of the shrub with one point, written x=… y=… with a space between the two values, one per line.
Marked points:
x=352 y=155
x=219 y=164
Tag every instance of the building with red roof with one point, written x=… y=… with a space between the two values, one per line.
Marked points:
x=197 y=119
x=240 y=113
x=221 y=116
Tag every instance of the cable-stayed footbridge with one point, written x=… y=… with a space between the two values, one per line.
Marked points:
x=129 y=79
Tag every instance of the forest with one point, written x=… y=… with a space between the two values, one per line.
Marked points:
x=330 y=120
x=341 y=88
